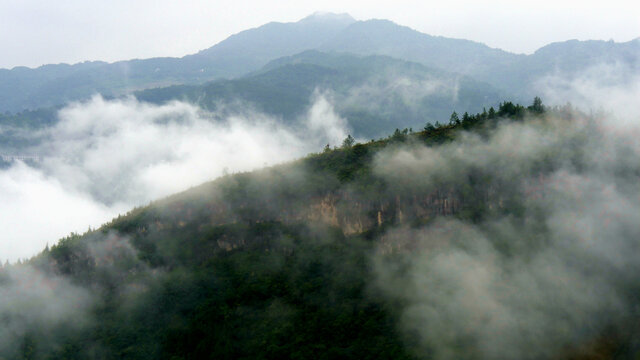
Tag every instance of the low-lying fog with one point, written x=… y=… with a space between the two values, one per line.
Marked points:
x=104 y=157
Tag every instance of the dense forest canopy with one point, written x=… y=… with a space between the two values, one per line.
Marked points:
x=507 y=233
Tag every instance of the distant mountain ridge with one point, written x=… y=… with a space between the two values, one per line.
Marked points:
x=383 y=37
x=512 y=73
x=248 y=51
x=252 y=49
x=374 y=93
x=50 y=85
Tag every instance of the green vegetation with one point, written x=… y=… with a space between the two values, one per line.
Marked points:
x=254 y=265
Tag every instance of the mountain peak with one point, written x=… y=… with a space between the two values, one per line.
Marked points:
x=323 y=16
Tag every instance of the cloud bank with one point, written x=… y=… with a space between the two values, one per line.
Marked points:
x=544 y=265
x=104 y=157
x=610 y=88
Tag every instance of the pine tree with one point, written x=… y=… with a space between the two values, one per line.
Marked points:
x=536 y=107
x=348 y=142
x=492 y=113
x=454 y=119
x=429 y=127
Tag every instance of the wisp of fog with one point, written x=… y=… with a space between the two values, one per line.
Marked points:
x=549 y=268
x=104 y=157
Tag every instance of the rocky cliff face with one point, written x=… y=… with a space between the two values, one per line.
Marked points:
x=354 y=216
x=341 y=209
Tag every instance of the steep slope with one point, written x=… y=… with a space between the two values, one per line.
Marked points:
x=375 y=94
x=369 y=251
x=50 y=85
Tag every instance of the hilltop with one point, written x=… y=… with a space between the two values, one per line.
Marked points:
x=346 y=252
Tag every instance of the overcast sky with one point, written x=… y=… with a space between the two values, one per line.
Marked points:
x=36 y=32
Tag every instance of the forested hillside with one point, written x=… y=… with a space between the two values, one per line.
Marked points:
x=465 y=239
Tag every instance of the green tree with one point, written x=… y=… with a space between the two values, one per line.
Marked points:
x=466 y=117
x=348 y=142
x=454 y=119
x=399 y=136
x=536 y=107
x=492 y=113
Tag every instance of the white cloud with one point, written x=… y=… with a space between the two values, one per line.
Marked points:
x=547 y=264
x=323 y=119
x=33 y=301
x=104 y=157
x=37 y=209
x=610 y=88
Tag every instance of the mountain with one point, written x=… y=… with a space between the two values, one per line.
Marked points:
x=386 y=249
x=213 y=272
x=569 y=60
x=250 y=50
x=375 y=94
x=50 y=85
x=512 y=73
x=384 y=37
x=54 y=85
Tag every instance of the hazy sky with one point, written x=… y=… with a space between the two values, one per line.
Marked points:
x=35 y=32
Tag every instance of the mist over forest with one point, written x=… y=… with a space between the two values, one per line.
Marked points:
x=327 y=188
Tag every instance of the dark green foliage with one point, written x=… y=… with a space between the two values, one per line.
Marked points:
x=399 y=136
x=233 y=269
x=301 y=298
x=348 y=142
x=511 y=110
x=536 y=107
x=507 y=110
x=454 y=120
x=492 y=113
x=289 y=291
